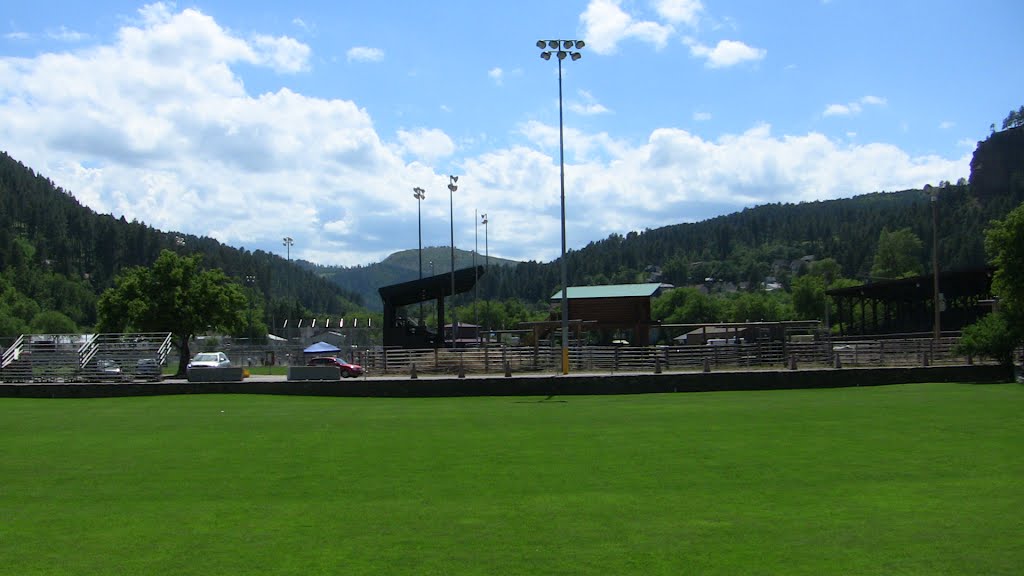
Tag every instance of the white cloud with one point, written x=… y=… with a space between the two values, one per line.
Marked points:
x=841 y=109
x=496 y=74
x=579 y=147
x=853 y=108
x=677 y=176
x=701 y=116
x=946 y=125
x=726 y=53
x=17 y=36
x=63 y=34
x=364 y=54
x=680 y=11
x=426 y=144
x=282 y=54
x=589 y=106
x=158 y=126
x=605 y=24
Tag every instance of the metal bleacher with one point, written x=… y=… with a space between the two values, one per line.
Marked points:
x=117 y=357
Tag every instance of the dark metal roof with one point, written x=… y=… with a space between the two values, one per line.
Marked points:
x=969 y=281
x=431 y=287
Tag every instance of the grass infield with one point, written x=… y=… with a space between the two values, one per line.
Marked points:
x=916 y=479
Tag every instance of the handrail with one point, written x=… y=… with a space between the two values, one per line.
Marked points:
x=88 y=351
x=165 y=348
x=13 y=352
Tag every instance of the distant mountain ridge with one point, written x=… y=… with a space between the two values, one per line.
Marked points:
x=402 y=266
x=746 y=247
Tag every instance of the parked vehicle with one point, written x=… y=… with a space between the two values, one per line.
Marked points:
x=209 y=360
x=347 y=368
x=104 y=370
x=149 y=369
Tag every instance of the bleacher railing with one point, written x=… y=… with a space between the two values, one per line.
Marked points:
x=117 y=357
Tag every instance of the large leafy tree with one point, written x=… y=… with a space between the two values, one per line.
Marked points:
x=1004 y=243
x=52 y=322
x=173 y=295
x=999 y=333
x=898 y=254
x=809 y=291
x=688 y=305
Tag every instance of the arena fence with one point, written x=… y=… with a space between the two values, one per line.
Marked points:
x=611 y=359
x=127 y=357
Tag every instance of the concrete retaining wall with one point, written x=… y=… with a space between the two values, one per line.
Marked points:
x=332 y=373
x=531 y=385
x=215 y=375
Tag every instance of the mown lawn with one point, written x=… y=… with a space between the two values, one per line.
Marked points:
x=914 y=479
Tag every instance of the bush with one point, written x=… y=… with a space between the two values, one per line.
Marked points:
x=994 y=336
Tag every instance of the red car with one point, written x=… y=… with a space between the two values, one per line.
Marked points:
x=347 y=368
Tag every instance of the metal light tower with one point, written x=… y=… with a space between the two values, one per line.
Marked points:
x=487 y=262
x=487 y=256
x=561 y=50
x=451 y=203
x=476 y=279
x=250 y=281
x=288 y=245
x=419 y=194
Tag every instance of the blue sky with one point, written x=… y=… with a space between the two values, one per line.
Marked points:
x=248 y=122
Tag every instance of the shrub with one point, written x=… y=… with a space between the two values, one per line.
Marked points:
x=994 y=336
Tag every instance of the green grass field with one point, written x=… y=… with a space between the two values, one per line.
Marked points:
x=914 y=479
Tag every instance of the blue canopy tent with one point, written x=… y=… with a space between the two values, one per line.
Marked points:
x=321 y=349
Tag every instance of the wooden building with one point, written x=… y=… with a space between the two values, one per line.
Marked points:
x=614 y=312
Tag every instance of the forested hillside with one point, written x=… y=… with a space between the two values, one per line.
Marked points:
x=56 y=256
x=746 y=247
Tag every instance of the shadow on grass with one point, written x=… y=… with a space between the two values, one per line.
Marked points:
x=547 y=400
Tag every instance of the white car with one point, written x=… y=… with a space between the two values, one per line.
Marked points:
x=210 y=360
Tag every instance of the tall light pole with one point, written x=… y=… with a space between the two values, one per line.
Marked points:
x=288 y=245
x=487 y=256
x=561 y=50
x=250 y=281
x=487 y=262
x=934 y=193
x=419 y=194
x=476 y=289
x=451 y=204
